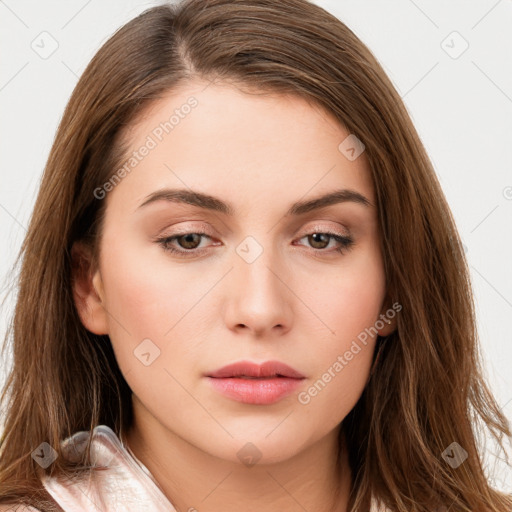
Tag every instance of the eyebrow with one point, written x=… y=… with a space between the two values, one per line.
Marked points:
x=208 y=202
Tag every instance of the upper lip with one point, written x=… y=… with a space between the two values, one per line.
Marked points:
x=250 y=369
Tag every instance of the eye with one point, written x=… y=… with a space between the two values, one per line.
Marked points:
x=190 y=241
x=319 y=240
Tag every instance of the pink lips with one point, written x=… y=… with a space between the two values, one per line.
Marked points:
x=248 y=369
x=256 y=384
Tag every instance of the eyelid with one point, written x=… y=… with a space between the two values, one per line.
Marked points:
x=320 y=228
x=341 y=230
x=184 y=230
x=205 y=228
x=346 y=241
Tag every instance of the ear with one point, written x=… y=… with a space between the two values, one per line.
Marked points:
x=87 y=287
x=385 y=318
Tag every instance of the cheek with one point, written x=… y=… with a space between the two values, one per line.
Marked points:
x=335 y=390
x=347 y=299
x=145 y=299
x=349 y=304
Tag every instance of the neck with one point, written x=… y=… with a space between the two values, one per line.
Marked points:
x=196 y=481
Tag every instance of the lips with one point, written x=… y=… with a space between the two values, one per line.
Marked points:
x=249 y=370
x=256 y=384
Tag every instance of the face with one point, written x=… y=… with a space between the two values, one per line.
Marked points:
x=185 y=288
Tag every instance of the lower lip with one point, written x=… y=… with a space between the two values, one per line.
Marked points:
x=255 y=391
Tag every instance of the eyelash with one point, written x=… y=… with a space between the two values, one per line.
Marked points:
x=345 y=241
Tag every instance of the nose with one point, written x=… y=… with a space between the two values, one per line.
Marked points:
x=258 y=295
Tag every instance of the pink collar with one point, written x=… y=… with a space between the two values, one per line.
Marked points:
x=124 y=485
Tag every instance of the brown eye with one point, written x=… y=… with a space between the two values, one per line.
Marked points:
x=189 y=241
x=319 y=240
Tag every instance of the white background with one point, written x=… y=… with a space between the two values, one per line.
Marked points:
x=461 y=107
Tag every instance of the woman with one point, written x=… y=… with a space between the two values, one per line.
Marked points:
x=241 y=266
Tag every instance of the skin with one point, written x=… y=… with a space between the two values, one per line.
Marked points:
x=260 y=153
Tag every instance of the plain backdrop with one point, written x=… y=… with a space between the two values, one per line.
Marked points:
x=450 y=61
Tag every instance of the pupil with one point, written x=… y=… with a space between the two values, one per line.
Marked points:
x=315 y=237
x=187 y=239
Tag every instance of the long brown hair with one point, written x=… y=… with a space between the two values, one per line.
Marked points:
x=427 y=391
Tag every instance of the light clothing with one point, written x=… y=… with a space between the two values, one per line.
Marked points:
x=126 y=485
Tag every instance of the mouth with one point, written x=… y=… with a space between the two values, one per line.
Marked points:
x=249 y=370
x=256 y=384
x=248 y=377
x=255 y=390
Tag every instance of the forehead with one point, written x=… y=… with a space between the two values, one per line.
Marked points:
x=251 y=147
